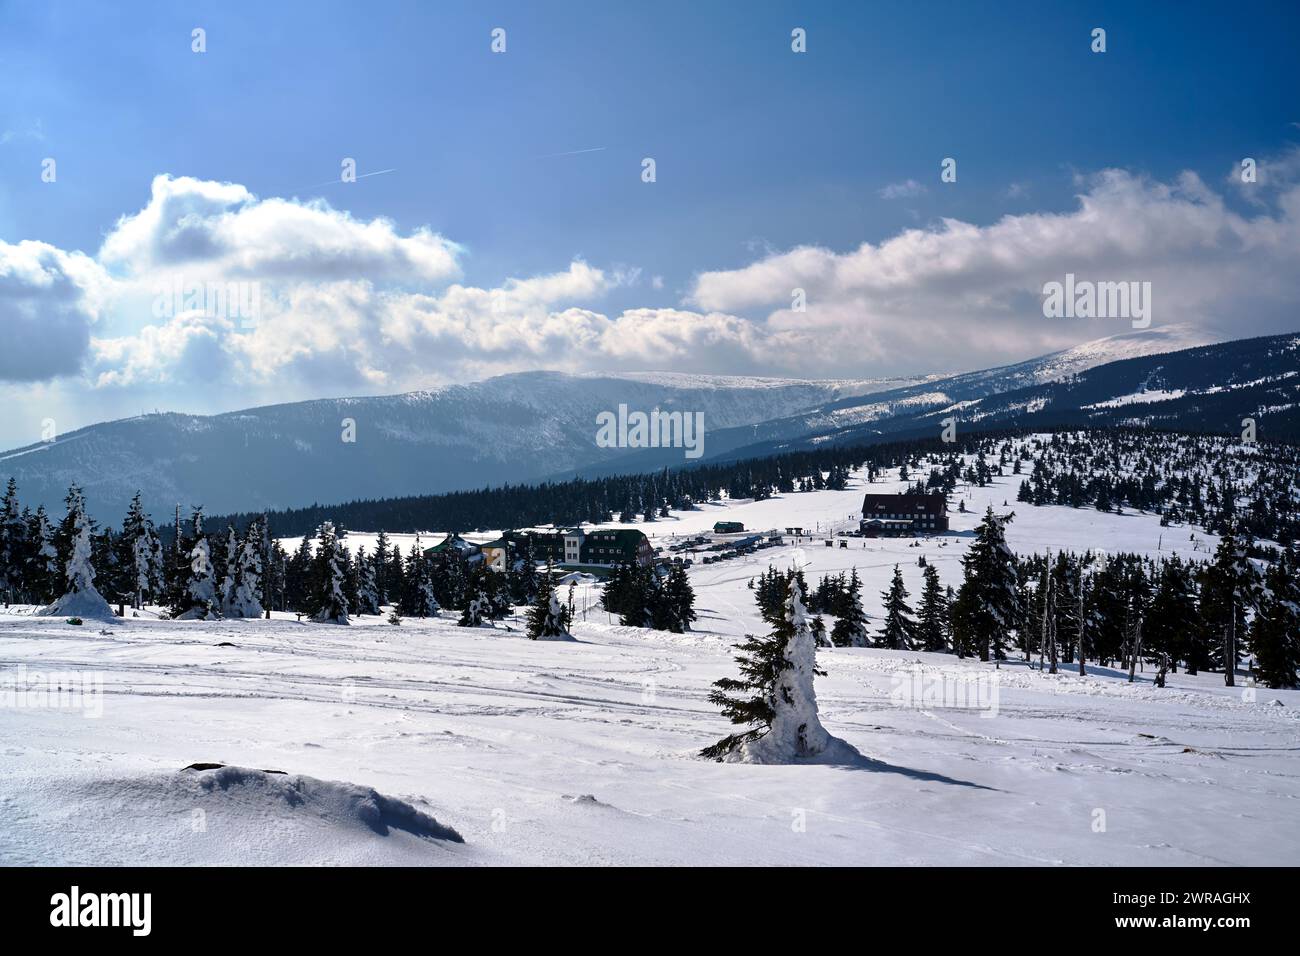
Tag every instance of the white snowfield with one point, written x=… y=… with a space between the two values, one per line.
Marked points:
x=398 y=743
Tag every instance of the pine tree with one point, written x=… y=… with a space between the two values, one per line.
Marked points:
x=774 y=699
x=989 y=593
x=1275 y=631
x=197 y=597
x=547 y=618
x=681 y=598
x=230 y=572
x=1230 y=588
x=13 y=545
x=479 y=605
x=380 y=564
x=41 y=573
x=367 y=590
x=246 y=574
x=326 y=602
x=80 y=599
x=932 y=616
x=418 y=598
x=144 y=550
x=898 y=629
x=850 y=628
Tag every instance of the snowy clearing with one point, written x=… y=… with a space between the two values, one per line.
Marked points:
x=584 y=752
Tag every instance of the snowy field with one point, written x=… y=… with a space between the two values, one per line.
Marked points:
x=433 y=744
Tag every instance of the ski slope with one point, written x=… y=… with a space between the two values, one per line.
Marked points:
x=584 y=753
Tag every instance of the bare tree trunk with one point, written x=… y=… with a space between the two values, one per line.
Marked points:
x=1230 y=647
x=1083 y=671
x=1136 y=647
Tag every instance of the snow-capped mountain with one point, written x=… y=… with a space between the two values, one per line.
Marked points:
x=1210 y=388
x=513 y=428
x=898 y=409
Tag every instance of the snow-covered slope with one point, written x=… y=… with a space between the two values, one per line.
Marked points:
x=911 y=406
x=586 y=752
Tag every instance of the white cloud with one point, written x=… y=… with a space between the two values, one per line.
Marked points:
x=907 y=189
x=49 y=300
x=353 y=306
x=227 y=232
x=963 y=295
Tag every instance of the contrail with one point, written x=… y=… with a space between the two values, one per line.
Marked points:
x=573 y=152
x=334 y=181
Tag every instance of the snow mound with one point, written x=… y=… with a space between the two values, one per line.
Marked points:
x=229 y=815
x=772 y=749
x=343 y=803
x=85 y=604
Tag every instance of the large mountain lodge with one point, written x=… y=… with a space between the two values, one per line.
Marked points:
x=894 y=515
x=572 y=548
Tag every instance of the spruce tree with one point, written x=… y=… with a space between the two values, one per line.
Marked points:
x=80 y=597
x=850 y=628
x=898 y=630
x=1275 y=631
x=988 y=594
x=246 y=587
x=681 y=597
x=932 y=615
x=326 y=601
x=367 y=590
x=548 y=618
x=774 y=698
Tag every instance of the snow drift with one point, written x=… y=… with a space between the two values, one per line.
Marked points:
x=241 y=816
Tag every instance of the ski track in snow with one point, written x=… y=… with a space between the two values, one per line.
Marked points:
x=584 y=753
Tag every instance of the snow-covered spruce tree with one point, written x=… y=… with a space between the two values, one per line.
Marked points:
x=1275 y=631
x=988 y=595
x=417 y=599
x=475 y=609
x=201 y=591
x=229 y=576
x=932 y=615
x=41 y=570
x=774 y=698
x=380 y=567
x=326 y=602
x=13 y=545
x=681 y=598
x=246 y=590
x=1172 y=625
x=80 y=599
x=850 y=628
x=367 y=589
x=548 y=619
x=1230 y=587
x=898 y=630
x=145 y=552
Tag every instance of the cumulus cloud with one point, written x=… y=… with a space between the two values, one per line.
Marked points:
x=49 y=300
x=226 y=231
x=964 y=294
x=348 y=305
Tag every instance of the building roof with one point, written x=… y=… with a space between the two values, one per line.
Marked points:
x=624 y=536
x=936 y=503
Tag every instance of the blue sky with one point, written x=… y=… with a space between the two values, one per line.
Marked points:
x=759 y=151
